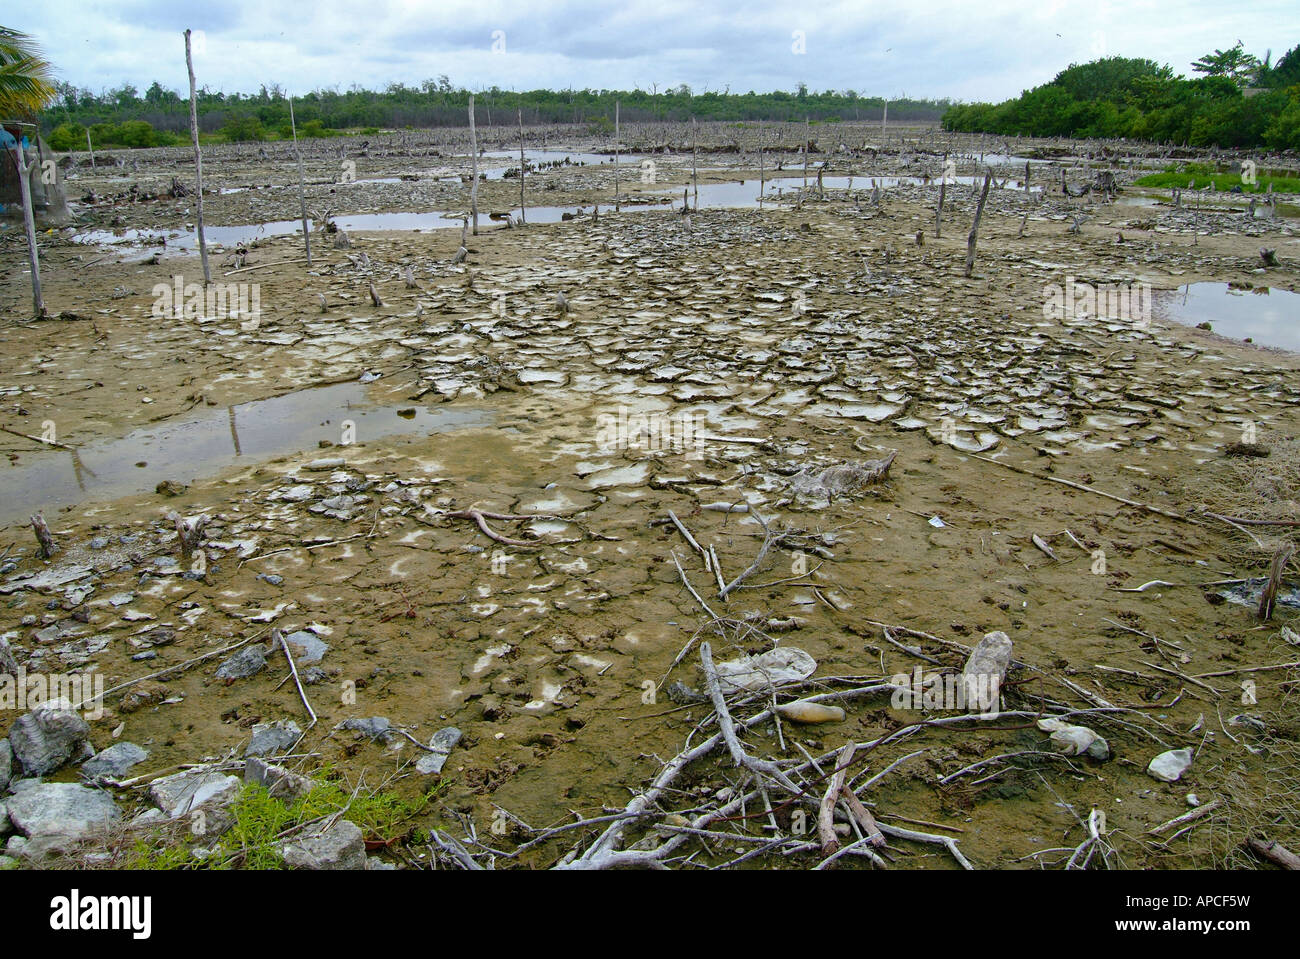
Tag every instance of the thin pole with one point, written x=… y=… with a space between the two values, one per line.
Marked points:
x=198 y=161
x=90 y=148
x=695 y=152
x=616 y=156
x=762 y=174
x=302 y=196
x=522 y=219
x=29 y=225
x=473 y=151
x=805 y=155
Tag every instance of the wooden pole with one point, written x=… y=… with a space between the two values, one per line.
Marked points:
x=473 y=150
x=198 y=161
x=943 y=188
x=522 y=218
x=302 y=195
x=90 y=148
x=974 y=227
x=695 y=152
x=805 y=155
x=29 y=226
x=616 y=156
x=762 y=174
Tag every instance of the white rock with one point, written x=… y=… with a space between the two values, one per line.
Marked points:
x=1170 y=766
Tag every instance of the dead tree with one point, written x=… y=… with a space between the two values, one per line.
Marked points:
x=974 y=227
x=198 y=162
x=43 y=537
x=473 y=154
x=302 y=196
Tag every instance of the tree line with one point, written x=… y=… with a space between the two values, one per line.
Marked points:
x=123 y=116
x=1236 y=101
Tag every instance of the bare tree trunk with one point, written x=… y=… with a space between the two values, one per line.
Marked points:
x=695 y=152
x=198 y=162
x=805 y=155
x=302 y=196
x=974 y=227
x=762 y=174
x=90 y=148
x=943 y=189
x=616 y=153
x=29 y=226
x=522 y=164
x=473 y=153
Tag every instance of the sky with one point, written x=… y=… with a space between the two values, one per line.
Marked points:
x=965 y=50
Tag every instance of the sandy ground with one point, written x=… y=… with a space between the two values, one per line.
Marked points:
x=781 y=340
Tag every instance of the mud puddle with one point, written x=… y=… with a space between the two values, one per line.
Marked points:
x=204 y=445
x=1266 y=317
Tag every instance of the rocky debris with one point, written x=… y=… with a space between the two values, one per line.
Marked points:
x=271 y=738
x=8 y=663
x=52 y=817
x=142 y=696
x=249 y=661
x=277 y=780
x=342 y=846
x=785 y=664
x=6 y=764
x=182 y=792
x=682 y=694
x=843 y=479
x=1170 y=766
x=1075 y=740
x=6 y=827
x=985 y=669
x=307 y=647
x=376 y=727
x=113 y=762
x=440 y=746
x=49 y=736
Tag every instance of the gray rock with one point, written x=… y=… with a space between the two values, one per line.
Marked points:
x=113 y=762
x=376 y=727
x=249 y=661
x=277 y=780
x=269 y=739
x=8 y=662
x=1170 y=766
x=372 y=864
x=6 y=764
x=184 y=791
x=341 y=847
x=8 y=862
x=442 y=743
x=984 y=672
x=307 y=647
x=59 y=814
x=6 y=827
x=47 y=737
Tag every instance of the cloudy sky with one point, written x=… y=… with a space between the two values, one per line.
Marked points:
x=966 y=50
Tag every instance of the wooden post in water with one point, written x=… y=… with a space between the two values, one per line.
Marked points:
x=473 y=153
x=695 y=152
x=302 y=195
x=198 y=162
x=762 y=174
x=974 y=227
x=29 y=227
x=943 y=189
x=522 y=218
x=805 y=155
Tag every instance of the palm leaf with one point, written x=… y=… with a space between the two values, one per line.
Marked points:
x=26 y=78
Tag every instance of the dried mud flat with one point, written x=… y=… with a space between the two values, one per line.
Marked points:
x=779 y=342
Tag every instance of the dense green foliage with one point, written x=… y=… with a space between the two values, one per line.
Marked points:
x=1201 y=175
x=1118 y=97
x=265 y=115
